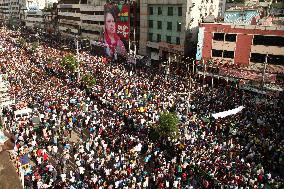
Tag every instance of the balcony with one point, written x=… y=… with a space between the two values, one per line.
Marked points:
x=34 y=19
x=68 y=6
x=91 y=8
x=69 y=22
x=92 y=17
x=92 y=27
x=70 y=14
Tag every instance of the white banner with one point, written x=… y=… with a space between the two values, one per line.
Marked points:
x=228 y=112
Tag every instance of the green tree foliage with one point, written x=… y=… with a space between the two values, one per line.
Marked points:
x=89 y=80
x=69 y=63
x=167 y=127
x=22 y=42
x=34 y=46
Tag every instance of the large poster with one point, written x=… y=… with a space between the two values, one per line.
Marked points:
x=117 y=29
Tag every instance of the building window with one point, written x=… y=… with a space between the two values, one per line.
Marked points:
x=150 y=23
x=169 y=26
x=218 y=36
x=268 y=40
x=228 y=54
x=158 y=38
x=230 y=37
x=216 y=53
x=170 y=11
x=151 y=11
x=275 y=59
x=179 y=11
x=169 y=39
x=257 y=58
x=160 y=25
x=178 y=26
x=150 y=37
x=160 y=12
x=178 y=41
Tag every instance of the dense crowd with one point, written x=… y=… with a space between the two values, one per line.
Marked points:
x=112 y=122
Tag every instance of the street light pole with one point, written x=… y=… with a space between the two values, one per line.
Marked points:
x=264 y=70
x=77 y=57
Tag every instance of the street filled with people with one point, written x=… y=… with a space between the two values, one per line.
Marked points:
x=99 y=137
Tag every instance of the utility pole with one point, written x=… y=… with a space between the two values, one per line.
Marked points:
x=77 y=57
x=264 y=70
x=134 y=37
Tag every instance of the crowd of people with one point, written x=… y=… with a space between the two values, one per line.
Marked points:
x=99 y=138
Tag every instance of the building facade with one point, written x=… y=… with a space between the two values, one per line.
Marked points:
x=248 y=46
x=83 y=18
x=222 y=8
x=169 y=28
x=11 y=11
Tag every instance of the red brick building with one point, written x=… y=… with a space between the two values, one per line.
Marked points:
x=246 y=45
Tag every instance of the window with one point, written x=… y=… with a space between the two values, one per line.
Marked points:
x=151 y=11
x=218 y=36
x=228 y=54
x=169 y=26
x=150 y=23
x=268 y=40
x=230 y=37
x=256 y=57
x=160 y=12
x=159 y=24
x=169 y=39
x=178 y=41
x=275 y=59
x=158 y=38
x=178 y=26
x=179 y=11
x=150 y=37
x=170 y=11
x=216 y=53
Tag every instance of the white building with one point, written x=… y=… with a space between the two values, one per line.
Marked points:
x=169 y=28
x=34 y=15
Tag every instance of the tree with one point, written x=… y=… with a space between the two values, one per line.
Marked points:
x=22 y=42
x=167 y=127
x=34 y=46
x=89 y=80
x=69 y=63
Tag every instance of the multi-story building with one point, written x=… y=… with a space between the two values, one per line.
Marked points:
x=50 y=18
x=170 y=27
x=247 y=46
x=35 y=13
x=92 y=19
x=69 y=17
x=11 y=11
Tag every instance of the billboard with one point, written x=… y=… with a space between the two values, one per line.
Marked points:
x=200 y=43
x=117 y=29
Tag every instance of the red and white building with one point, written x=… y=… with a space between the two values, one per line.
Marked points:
x=244 y=45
